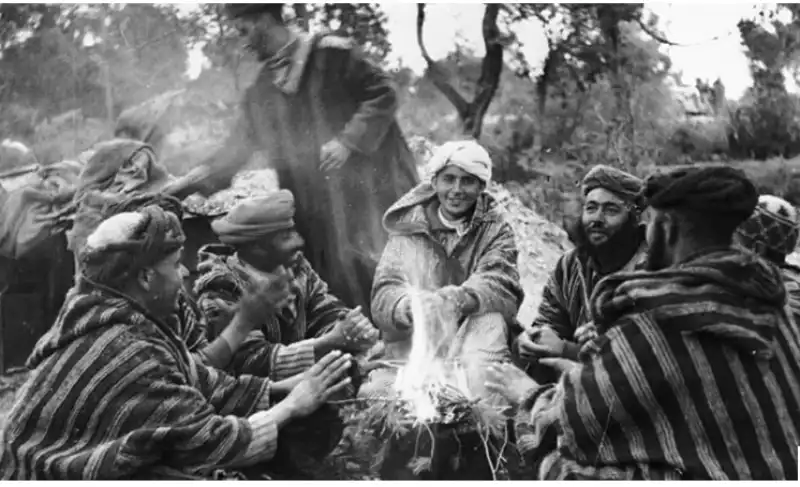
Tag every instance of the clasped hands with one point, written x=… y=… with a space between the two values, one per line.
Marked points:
x=353 y=332
x=449 y=301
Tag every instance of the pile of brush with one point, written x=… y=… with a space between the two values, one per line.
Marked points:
x=453 y=408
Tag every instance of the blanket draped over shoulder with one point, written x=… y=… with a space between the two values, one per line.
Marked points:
x=696 y=377
x=114 y=394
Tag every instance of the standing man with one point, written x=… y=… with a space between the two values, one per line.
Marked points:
x=325 y=117
x=608 y=238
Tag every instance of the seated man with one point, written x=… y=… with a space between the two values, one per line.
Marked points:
x=608 y=238
x=189 y=321
x=448 y=241
x=259 y=242
x=772 y=232
x=115 y=394
x=693 y=376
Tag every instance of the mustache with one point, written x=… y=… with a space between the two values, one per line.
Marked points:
x=596 y=226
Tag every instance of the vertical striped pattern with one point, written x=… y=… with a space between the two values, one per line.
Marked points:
x=697 y=377
x=114 y=395
x=568 y=291
x=281 y=347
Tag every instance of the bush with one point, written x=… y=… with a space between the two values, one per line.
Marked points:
x=766 y=125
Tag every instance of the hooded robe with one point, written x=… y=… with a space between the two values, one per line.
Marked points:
x=696 y=376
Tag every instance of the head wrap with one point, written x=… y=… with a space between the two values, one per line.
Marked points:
x=623 y=184
x=126 y=243
x=256 y=218
x=97 y=206
x=468 y=155
x=772 y=230
x=235 y=10
x=718 y=190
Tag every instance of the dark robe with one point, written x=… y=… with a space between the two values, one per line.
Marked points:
x=340 y=96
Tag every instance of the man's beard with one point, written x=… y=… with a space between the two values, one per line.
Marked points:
x=618 y=249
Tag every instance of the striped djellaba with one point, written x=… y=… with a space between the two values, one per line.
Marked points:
x=565 y=297
x=115 y=394
x=697 y=377
x=282 y=347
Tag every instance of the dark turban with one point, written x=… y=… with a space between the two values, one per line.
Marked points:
x=715 y=190
x=623 y=184
x=235 y=10
x=256 y=218
x=119 y=257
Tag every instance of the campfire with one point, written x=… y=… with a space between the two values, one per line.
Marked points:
x=436 y=426
x=432 y=386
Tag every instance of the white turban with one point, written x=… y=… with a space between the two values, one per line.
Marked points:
x=467 y=155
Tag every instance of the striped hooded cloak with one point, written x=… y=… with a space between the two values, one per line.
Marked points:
x=114 y=394
x=696 y=377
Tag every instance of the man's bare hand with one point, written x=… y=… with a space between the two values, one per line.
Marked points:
x=354 y=332
x=325 y=379
x=538 y=343
x=510 y=382
x=333 y=155
x=563 y=365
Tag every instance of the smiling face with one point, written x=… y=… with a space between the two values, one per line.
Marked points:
x=604 y=214
x=457 y=191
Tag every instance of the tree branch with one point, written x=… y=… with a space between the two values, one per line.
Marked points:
x=647 y=30
x=491 y=67
x=437 y=74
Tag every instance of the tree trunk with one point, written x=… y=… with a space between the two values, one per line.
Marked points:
x=470 y=113
x=301 y=13
x=620 y=135
x=109 y=94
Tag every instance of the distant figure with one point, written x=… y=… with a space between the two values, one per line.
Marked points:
x=325 y=116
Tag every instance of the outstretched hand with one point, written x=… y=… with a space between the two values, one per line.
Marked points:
x=326 y=378
x=510 y=382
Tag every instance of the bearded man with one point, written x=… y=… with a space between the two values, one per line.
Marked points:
x=114 y=392
x=608 y=238
x=695 y=374
x=325 y=116
x=260 y=242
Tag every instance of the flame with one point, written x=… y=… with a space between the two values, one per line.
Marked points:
x=430 y=367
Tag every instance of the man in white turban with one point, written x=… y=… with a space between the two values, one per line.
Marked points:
x=449 y=245
x=447 y=281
